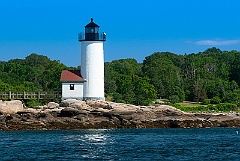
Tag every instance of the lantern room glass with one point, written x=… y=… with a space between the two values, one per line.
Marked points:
x=91 y=29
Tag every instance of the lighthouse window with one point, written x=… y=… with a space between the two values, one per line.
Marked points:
x=90 y=30
x=71 y=86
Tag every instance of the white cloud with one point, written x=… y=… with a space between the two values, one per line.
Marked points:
x=217 y=42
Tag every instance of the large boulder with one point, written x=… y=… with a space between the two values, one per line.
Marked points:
x=69 y=112
x=98 y=104
x=67 y=103
x=81 y=105
x=29 y=110
x=72 y=103
x=76 y=104
x=168 y=110
x=52 y=105
x=11 y=107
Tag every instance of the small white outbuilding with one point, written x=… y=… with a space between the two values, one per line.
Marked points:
x=72 y=84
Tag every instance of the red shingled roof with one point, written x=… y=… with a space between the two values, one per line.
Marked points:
x=71 y=76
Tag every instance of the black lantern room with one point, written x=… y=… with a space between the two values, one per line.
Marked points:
x=92 y=33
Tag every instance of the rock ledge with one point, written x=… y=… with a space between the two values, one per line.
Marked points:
x=75 y=114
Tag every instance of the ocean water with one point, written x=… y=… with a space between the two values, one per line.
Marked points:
x=122 y=144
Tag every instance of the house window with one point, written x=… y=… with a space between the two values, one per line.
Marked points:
x=71 y=86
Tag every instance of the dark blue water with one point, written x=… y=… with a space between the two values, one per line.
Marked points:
x=122 y=144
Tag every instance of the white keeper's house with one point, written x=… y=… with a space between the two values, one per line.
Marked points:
x=87 y=83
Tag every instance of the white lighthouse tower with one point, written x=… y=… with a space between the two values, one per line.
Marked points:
x=92 y=62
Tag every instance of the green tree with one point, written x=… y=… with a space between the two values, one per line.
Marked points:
x=144 y=92
x=125 y=87
x=164 y=75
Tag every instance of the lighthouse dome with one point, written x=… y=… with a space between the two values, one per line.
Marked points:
x=91 y=24
x=92 y=33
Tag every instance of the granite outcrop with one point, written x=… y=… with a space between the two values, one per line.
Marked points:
x=76 y=114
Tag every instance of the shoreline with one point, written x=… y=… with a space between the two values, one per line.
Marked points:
x=75 y=114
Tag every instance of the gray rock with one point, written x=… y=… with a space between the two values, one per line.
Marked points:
x=9 y=117
x=11 y=107
x=67 y=103
x=101 y=114
x=69 y=112
x=52 y=105
x=80 y=117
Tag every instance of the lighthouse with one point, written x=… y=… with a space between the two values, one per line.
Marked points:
x=88 y=83
x=92 y=61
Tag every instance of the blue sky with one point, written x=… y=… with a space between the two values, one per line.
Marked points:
x=135 y=28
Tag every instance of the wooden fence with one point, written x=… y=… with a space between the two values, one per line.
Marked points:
x=24 y=95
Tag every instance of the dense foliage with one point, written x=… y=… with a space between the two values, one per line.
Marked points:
x=124 y=82
x=211 y=77
x=35 y=72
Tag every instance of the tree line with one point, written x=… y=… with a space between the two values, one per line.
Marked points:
x=212 y=76
x=34 y=73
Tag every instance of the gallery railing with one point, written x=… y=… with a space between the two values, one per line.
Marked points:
x=92 y=36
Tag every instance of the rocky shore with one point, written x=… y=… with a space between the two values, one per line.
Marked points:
x=75 y=114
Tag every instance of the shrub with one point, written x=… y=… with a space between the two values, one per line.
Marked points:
x=206 y=101
x=211 y=108
x=215 y=100
x=121 y=101
x=226 y=107
x=174 y=99
x=32 y=103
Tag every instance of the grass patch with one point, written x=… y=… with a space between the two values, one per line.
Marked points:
x=190 y=104
x=197 y=107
